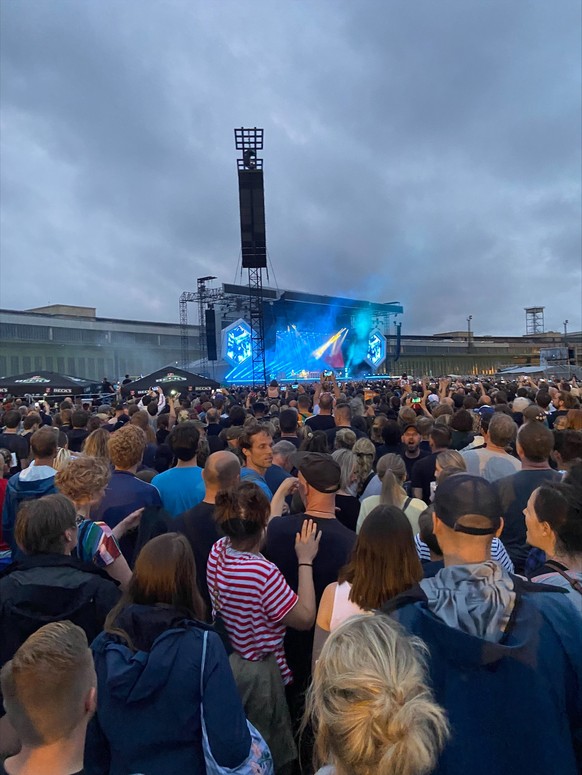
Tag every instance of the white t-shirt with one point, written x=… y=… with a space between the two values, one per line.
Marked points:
x=413 y=510
x=490 y=465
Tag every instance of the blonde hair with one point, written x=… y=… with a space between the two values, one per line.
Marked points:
x=392 y=472
x=345 y=438
x=95 y=445
x=450 y=458
x=346 y=460
x=46 y=683
x=365 y=452
x=82 y=478
x=369 y=703
x=62 y=459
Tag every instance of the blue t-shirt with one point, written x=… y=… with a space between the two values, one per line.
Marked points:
x=250 y=475
x=180 y=488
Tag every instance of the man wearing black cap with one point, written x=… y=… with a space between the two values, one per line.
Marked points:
x=505 y=654
x=411 y=451
x=319 y=480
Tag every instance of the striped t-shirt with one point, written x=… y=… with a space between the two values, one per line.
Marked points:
x=252 y=597
x=498 y=553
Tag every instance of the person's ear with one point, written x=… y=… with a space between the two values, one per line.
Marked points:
x=91 y=701
x=436 y=524
x=500 y=528
x=70 y=535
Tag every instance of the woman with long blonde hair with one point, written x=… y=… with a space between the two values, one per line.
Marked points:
x=370 y=705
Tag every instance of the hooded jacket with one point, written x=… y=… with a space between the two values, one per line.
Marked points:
x=148 y=708
x=43 y=588
x=32 y=483
x=514 y=702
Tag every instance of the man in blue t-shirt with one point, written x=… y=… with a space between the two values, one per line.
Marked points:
x=182 y=487
x=256 y=445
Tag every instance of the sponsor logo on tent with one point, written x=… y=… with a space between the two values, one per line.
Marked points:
x=32 y=381
x=171 y=377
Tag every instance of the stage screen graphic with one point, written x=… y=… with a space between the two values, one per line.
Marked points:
x=376 y=349
x=236 y=342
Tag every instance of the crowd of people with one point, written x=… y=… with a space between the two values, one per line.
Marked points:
x=354 y=578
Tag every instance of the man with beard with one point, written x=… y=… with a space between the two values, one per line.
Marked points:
x=411 y=452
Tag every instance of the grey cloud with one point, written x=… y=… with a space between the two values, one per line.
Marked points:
x=426 y=152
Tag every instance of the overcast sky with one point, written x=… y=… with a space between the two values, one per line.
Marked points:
x=425 y=151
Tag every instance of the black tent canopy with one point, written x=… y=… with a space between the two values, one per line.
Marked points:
x=46 y=384
x=170 y=378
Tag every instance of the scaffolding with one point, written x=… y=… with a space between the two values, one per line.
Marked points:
x=204 y=297
x=534 y=320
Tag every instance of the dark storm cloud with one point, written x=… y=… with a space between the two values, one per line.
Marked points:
x=425 y=152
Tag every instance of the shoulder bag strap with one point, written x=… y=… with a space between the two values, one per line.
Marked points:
x=203 y=664
x=574 y=583
x=406 y=504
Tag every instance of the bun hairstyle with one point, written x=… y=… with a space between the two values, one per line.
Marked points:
x=242 y=513
x=369 y=703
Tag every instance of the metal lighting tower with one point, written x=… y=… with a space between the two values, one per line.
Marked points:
x=204 y=297
x=184 y=299
x=534 y=320
x=253 y=239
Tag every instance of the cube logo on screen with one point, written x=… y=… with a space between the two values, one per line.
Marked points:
x=376 y=349
x=236 y=342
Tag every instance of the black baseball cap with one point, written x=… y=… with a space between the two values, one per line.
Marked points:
x=463 y=495
x=319 y=469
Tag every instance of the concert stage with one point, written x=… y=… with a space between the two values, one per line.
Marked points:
x=304 y=335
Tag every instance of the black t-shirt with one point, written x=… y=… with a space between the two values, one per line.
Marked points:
x=423 y=475
x=347 y=510
x=295 y=440
x=76 y=438
x=514 y=491
x=199 y=527
x=19 y=446
x=387 y=449
x=320 y=422
x=410 y=462
x=161 y=435
x=335 y=549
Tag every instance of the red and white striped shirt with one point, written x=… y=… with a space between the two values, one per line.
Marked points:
x=252 y=597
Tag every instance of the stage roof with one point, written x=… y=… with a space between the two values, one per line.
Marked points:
x=272 y=294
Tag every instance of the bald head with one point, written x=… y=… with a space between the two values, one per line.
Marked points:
x=221 y=471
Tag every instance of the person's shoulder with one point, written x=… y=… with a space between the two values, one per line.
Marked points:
x=161 y=478
x=288 y=524
x=506 y=481
x=218 y=545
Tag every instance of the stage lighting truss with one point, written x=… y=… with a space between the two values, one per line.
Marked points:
x=249 y=141
x=376 y=349
x=237 y=342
